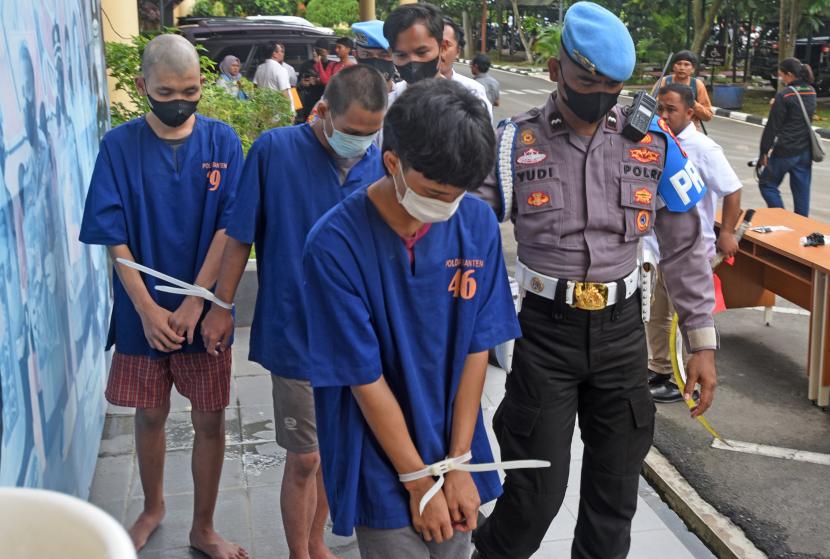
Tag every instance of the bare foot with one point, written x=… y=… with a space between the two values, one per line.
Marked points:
x=214 y=546
x=320 y=551
x=144 y=526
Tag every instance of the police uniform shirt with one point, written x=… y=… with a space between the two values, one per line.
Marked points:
x=580 y=210
x=372 y=312
x=288 y=183
x=166 y=204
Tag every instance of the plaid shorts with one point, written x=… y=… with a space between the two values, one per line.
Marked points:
x=137 y=381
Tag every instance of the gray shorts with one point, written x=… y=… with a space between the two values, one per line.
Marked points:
x=294 y=419
x=405 y=543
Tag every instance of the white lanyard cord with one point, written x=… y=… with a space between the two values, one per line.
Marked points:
x=183 y=288
x=460 y=463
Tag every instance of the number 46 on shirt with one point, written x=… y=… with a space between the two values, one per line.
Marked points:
x=463 y=284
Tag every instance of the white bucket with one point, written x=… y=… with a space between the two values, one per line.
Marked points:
x=36 y=523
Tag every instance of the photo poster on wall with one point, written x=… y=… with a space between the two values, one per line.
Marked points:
x=54 y=291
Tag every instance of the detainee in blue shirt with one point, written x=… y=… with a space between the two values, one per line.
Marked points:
x=406 y=290
x=160 y=195
x=292 y=177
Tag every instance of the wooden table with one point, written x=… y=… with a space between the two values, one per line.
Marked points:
x=770 y=264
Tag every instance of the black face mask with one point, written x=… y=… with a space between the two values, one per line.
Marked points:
x=385 y=67
x=590 y=107
x=416 y=71
x=173 y=113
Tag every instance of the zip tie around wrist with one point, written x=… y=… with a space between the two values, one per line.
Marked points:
x=183 y=288
x=460 y=463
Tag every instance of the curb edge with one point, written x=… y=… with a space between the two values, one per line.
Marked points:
x=717 y=531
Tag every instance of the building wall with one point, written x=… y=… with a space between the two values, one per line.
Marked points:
x=119 y=25
x=54 y=291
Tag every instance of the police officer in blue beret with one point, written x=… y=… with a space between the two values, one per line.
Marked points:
x=372 y=48
x=581 y=195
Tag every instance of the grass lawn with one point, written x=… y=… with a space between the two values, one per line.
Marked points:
x=757 y=103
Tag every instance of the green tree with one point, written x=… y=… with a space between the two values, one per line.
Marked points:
x=244 y=7
x=331 y=13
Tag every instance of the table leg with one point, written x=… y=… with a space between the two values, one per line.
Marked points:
x=815 y=357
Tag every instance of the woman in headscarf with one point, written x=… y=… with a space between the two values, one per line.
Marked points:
x=229 y=76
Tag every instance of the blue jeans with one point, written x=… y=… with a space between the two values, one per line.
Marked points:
x=800 y=168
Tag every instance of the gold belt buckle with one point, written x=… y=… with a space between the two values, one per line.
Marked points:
x=590 y=296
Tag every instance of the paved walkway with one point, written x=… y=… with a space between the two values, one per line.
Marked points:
x=248 y=508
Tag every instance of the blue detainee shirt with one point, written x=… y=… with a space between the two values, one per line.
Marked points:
x=166 y=205
x=371 y=312
x=288 y=183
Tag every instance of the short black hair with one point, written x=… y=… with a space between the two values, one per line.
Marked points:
x=346 y=42
x=356 y=84
x=443 y=131
x=278 y=47
x=405 y=16
x=457 y=31
x=321 y=43
x=482 y=62
x=685 y=55
x=684 y=91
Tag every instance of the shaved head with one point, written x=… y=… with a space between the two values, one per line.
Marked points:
x=173 y=52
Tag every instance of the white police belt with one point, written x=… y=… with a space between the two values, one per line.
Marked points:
x=583 y=295
x=183 y=288
x=460 y=463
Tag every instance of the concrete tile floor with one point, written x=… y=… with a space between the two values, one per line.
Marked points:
x=248 y=506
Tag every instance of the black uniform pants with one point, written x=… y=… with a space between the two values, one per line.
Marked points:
x=569 y=361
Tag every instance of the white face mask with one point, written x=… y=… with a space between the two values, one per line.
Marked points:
x=422 y=208
x=347 y=145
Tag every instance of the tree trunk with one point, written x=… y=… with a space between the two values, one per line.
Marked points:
x=469 y=47
x=484 y=26
x=703 y=23
x=518 y=22
x=789 y=18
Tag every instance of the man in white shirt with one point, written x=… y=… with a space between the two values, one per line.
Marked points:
x=676 y=107
x=272 y=75
x=292 y=73
x=453 y=43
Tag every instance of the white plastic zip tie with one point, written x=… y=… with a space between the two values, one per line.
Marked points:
x=183 y=288
x=460 y=463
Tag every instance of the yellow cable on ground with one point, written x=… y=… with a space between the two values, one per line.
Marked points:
x=678 y=378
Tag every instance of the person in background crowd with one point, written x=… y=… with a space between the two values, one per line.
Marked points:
x=343 y=49
x=372 y=49
x=684 y=65
x=480 y=67
x=676 y=107
x=151 y=200
x=453 y=43
x=292 y=176
x=415 y=33
x=272 y=75
x=310 y=90
x=229 y=76
x=289 y=69
x=787 y=134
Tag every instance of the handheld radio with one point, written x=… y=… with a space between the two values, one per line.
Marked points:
x=639 y=114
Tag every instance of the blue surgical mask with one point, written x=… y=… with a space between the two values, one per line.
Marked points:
x=347 y=145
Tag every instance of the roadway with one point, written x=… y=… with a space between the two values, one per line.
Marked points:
x=761 y=397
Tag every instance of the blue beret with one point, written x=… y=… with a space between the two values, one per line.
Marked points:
x=598 y=41
x=369 y=34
